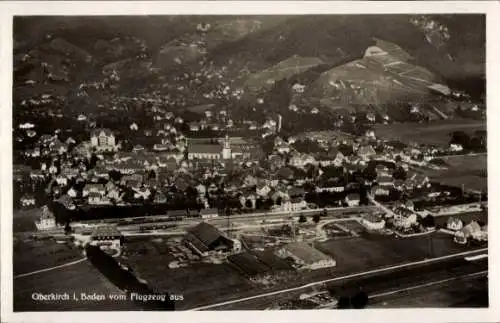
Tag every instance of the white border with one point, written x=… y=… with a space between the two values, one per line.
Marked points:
x=8 y=9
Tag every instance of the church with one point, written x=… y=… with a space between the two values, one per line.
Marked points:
x=212 y=151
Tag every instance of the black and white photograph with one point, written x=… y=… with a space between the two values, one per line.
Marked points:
x=264 y=162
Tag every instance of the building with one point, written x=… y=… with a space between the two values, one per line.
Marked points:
x=103 y=140
x=204 y=151
x=95 y=198
x=373 y=222
x=366 y=152
x=352 y=199
x=209 y=213
x=205 y=238
x=470 y=231
x=47 y=220
x=379 y=190
x=28 y=201
x=404 y=218
x=226 y=149
x=454 y=224
x=107 y=237
x=93 y=188
x=306 y=256
x=293 y=204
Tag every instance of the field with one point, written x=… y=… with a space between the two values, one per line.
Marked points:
x=78 y=278
x=471 y=171
x=378 y=251
x=472 y=292
x=24 y=220
x=32 y=255
x=200 y=283
x=434 y=133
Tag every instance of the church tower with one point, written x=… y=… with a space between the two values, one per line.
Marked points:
x=226 y=149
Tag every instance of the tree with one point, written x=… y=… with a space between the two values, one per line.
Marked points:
x=399 y=174
x=461 y=138
x=67 y=228
x=302 y=218
x=316 y=218
x=115 y=175
x=360 y=300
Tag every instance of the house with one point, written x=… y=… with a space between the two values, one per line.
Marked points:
x=101 y=172
x=305 y=256
x=456 y=147
x=205 y=238
x=194 y=126
x=382 y=170
x=93 y=188
x=47 y=220
x=209 y=213
x=114 y=191
x=301 y=160
x=365 y=152
x=141 y=193
x=385 y=181
x=106 y=237
x=37 y=174
x=134 y=127
x=352 y=199
x=293 y=204
x=95 y=198
x=103 y=140
x=332 y=188
x=379 y=190
x=373 y=222
x=454 y=224
x=404 y=218
x=160 y=198
x=27 y=201
x=72 y=192
x=137 y=148
x=262 y=189
x=67 y=202
x=470 y=231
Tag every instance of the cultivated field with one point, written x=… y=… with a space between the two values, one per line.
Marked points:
x=32 y=255
x=466 y=292
x=24 y=220
x=78 y=278
x=471 y=171
x=201 y=283
x=371 y=251
x=435 y=133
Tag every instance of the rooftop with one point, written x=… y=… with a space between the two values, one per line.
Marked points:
x=306 y=253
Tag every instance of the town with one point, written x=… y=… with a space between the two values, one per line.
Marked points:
x=224 y=206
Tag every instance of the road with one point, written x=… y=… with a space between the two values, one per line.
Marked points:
x=339 y=279
x=381 y=206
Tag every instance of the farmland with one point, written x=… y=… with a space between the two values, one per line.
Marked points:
x=433 y=133
x=359 y=254
x=78 y=278
x=471 y=292
x=32 y=255
x=471 y=171
x=24 y=220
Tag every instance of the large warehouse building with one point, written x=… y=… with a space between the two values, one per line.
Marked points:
x=306 y=256
x=204 y=238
